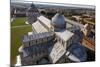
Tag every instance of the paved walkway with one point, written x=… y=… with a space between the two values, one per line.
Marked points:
x=19 y=26
x=74 y=23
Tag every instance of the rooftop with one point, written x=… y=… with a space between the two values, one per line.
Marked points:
x=64 y=34
x=39 y=27
x=36 y=36
x=45 y=21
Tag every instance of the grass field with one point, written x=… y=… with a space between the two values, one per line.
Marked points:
x=18 y=21
x=16 y=36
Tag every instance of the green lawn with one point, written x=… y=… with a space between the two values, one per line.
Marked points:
x=18 y=21
x=16 y=36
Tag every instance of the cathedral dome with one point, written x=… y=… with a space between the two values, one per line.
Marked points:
x=58 y=22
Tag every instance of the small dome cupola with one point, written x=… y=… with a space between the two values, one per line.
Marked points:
x=58 y=22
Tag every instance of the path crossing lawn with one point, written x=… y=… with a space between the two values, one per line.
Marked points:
x=17 y=32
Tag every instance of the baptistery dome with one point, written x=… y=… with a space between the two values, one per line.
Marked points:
x=32 y=14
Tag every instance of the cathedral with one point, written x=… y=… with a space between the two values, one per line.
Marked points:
x=51 y=41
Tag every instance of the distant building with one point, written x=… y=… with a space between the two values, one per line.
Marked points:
x=18 y=12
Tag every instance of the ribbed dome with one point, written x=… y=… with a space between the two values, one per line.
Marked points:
x=33 y=8
x=58 y=21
